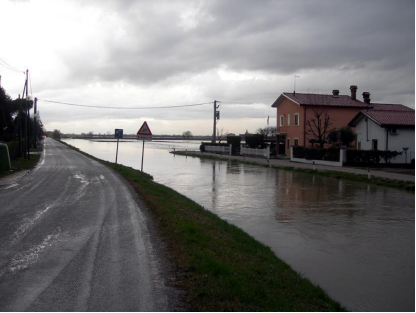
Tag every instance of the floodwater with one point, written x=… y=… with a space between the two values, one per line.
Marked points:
x=357 y=241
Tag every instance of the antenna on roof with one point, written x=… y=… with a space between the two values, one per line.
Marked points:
x=294 y=87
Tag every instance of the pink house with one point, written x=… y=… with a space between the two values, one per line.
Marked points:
x=296 y=110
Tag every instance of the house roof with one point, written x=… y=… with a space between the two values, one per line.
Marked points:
x=319 y=99
x=387 y=115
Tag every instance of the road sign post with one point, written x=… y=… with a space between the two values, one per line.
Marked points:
x=118 y=133
x=144 y=134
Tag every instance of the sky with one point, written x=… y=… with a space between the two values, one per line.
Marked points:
x=164 y=53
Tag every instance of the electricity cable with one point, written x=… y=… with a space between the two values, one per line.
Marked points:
x=126 y=108
x=9 y=67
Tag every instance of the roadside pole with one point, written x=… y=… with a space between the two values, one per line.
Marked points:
x=118 y=133
x=142 y=155
x=144 y=134
x=117 y=150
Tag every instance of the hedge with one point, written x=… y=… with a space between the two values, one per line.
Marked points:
x=370 y=157
x=331 y=154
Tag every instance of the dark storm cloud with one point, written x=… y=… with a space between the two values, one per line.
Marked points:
x=277 y=37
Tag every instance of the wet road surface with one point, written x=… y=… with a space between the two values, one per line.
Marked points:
x=73 y=238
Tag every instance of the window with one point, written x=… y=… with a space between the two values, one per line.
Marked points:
x=296 y=142
x=375 y=144
x=281 y=120
x=297 y=119
x=288 y=144
x=288 y=120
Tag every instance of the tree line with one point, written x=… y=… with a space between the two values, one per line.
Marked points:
x=17 y=128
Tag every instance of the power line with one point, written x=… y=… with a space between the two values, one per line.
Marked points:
x=126 y=108
x=9 y=67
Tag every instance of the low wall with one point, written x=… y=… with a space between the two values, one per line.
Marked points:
x=256 y=152
x=219 y=149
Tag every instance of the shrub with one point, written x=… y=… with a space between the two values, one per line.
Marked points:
x=346 y=136
x=333 y=136
x=370 y=157
x=254 y=141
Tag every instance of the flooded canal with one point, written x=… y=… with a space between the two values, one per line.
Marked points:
x=357 y=241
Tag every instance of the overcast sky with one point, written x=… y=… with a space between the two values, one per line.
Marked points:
x=244 y=53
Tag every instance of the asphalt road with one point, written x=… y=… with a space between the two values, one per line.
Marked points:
x=73 y=238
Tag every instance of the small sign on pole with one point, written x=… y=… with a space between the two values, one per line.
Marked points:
x=144 y=134
x=118 y=133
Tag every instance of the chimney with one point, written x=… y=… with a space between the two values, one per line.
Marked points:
x=335 y=92
x=366 y=97
x=353 y=92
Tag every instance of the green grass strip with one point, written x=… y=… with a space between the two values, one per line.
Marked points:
x=220 y=267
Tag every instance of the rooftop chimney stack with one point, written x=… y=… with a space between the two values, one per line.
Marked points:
x=335 y=92
x=366 y=97
x=353 y=92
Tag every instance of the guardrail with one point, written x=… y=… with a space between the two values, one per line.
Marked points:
x=219 y=149
x=256 y=152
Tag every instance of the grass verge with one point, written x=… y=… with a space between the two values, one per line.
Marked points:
x=220 y=267
x=406 y=185
x=22 y=164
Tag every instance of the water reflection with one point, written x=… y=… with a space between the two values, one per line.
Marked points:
x=355 y=240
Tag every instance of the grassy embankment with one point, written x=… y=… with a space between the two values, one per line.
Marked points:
x=220 y=267
x=406 y=185
x=22 y=163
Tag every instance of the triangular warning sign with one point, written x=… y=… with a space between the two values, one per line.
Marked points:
x=144 y=130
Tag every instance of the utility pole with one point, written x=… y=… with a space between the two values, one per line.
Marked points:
x=216 y=117
x=19 y=123
x=27 y=115
x=34 y=122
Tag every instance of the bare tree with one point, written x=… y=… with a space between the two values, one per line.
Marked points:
x=267 y=131
x=221 y=134
x=319 y=125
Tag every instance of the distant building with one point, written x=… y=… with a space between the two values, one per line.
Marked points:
x=386 y=127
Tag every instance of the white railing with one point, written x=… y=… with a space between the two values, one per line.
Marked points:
x=219 y=149
x=256 y=152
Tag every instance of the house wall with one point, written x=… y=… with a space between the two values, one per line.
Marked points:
x=285 y=108
x=404 y=138
x=339 y=116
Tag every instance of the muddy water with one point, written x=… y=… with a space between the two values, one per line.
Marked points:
x=357 y=241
